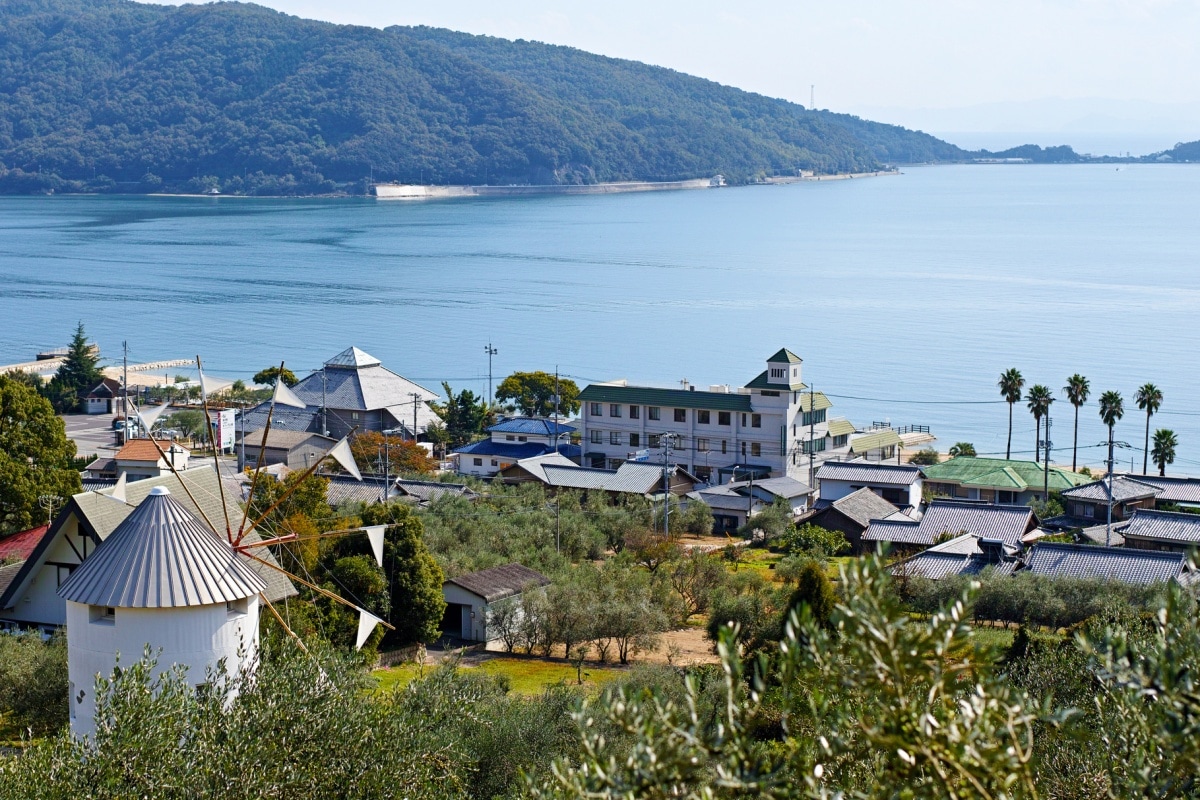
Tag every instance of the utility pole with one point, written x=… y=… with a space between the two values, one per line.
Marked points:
x=125 y=382
x=491 y=351
x=556 y=402
x=324 y=411
x=1108 y=485
x=416 y=400
x=812 y=416
x=668 y=439
x=242 y=423
x=1046 y=471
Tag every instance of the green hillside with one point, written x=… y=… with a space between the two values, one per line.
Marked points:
x=111 y=95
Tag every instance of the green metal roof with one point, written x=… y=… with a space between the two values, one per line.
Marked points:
x=671 y=398
x=875 y=440
x=761 y=382
x=785 y=355
x=841 y=427
x=810 y=399
x=998 y=473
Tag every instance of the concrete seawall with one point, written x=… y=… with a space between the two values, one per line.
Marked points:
x=394 y=191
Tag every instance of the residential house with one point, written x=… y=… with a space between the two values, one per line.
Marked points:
x=853 y=513
x=947 y=519
x=900 y=485
x=511 y=440
x=353 y=391
x=996 y=480
x=631 y=477
x=967 y=554
x=1054 y=559
x=1176 y=491
x=734 y=503
x=294 y=449
x=471 y=598
x=422 y=493
x=533 y=468
x=139 y=459
x=1162 y=530
x=765 y=429
x=1087 y=505
x=30 y=598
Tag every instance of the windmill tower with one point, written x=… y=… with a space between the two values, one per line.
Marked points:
x=162 y=579
x=178 y=583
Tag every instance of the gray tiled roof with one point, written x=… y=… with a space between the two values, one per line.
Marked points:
x=344 y=489
x=896 y=531
x=1111 y=563
x=785 y=487
x=1099 y=533
x=161 y=556
x=535 y=465
x=8 y=574
x=938 y=565
x=283 y=439
x=723 y=501
x=1123 y=490
x=1008 y=523
x=864 y=472
x=498 y=583
x=1174 y=490
x=1170 y=526
x=863 y=506
x=631 y=477
x=428 y=491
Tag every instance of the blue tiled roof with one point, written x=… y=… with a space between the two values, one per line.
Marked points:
x=535 y=426
x=486 y=447
x=1109 y=563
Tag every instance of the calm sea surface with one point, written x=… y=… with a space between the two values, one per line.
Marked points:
x=906 y=296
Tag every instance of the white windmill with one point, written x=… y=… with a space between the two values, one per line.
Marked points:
x=171 y=580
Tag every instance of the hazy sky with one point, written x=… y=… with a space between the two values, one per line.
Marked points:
x=864 y=56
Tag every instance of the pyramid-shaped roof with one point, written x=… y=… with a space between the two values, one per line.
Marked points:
x=353 y=358
x=785 y=356
x=161 y=556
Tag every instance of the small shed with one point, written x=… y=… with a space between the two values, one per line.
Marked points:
x=293 y=449
x=469 y=598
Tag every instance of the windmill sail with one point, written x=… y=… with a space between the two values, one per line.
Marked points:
x=342 y=455
x=375 y=536
x=285 y=396
x=366 y=626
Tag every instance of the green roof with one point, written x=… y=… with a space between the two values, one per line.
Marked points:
x=785 y=355
x=875 y=440
x=841 y=427
x=810 y=399
x=999 y=473
x=672 y=398
x=761 y=382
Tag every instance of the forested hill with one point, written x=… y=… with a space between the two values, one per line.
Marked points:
x=114 y=95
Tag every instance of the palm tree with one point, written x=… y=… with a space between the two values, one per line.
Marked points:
x=1039 y=399
x=1149 y=398
x=1077 y=390
x=1165 y=443
x=961 y=449
x=1011 y=383
x=1112 y=408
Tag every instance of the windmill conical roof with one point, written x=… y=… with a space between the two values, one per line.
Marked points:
x=161 y=556
x=353 y=358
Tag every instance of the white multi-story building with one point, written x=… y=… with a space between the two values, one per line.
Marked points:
x=764 y=429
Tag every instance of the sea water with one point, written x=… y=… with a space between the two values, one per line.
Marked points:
x=906 y=296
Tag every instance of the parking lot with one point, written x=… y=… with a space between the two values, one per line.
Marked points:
x=91 y=433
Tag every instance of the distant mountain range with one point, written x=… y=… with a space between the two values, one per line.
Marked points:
x=112 y=95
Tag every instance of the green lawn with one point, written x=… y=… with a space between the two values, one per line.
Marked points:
x=525 y=675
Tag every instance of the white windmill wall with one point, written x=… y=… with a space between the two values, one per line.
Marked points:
x=195 y=636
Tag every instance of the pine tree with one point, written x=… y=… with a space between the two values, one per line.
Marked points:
x=79 y=374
